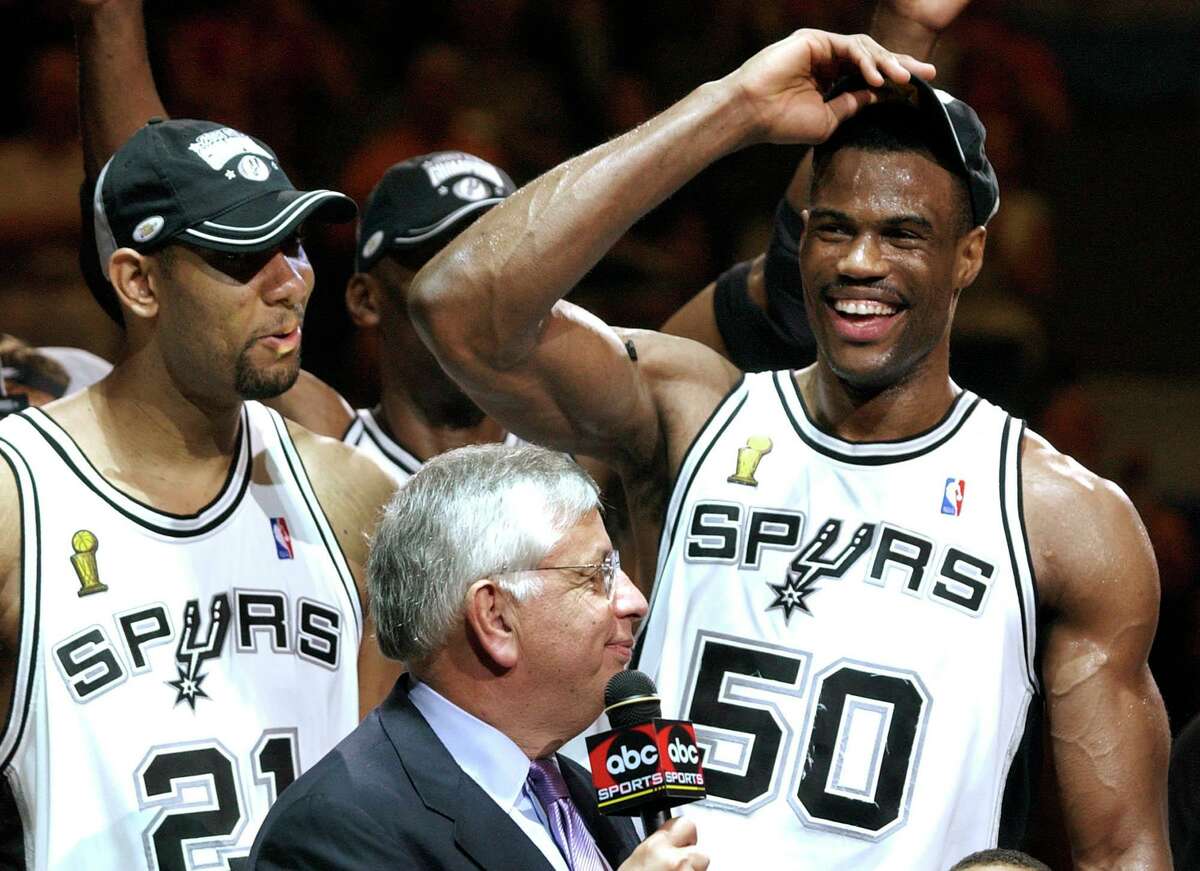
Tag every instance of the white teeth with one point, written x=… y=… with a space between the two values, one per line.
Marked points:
x=863 y=307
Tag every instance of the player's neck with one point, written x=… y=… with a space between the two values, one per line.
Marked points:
x=150 y=440
x=901 y=410
x=429 y=427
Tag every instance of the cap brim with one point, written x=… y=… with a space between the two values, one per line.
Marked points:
x=264 y=221
x=417 y=235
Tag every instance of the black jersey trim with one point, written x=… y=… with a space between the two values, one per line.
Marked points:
x=1017 y=574
x=26 y=547
x=320 y=519
x=188 y=525
x=346 y=433
x=963 y=405
x=1022 y=781
x=1038 y=647
x=387 y=445
x=667 y=539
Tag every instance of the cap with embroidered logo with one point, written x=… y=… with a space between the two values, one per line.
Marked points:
x=204 y=184
x=425 y=199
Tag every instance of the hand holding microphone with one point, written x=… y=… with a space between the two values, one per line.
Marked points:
x=644 y=765
x=671 y=848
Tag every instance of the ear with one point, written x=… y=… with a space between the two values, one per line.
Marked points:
x=970 y=257
x=129 y=272
x=489 y=618
x=364 y=299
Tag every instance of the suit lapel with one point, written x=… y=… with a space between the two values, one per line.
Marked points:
x=482 y=829
x=614 y=836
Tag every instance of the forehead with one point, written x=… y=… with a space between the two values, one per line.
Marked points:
x=586 y=541
x=878 y=185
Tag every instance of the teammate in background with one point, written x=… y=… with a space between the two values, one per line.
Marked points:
x=998 y=860
x=849 y=550
x=180 y=569
x=418 y=206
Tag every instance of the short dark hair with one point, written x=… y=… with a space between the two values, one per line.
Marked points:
x=893 y=127
x=1000 y=856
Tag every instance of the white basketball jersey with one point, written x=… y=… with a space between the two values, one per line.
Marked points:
x=367 y=435
x=851 y=628
x=175 y=672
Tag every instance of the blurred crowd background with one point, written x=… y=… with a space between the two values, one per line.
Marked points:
x=1083 y=320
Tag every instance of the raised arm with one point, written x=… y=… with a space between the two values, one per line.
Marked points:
x=1099 y=586
x=753 y=314
x=488 y=305
x=116 y=86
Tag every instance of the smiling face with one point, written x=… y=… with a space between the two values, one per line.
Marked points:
x=229 y=324
x=573 y=637
x=884 y=254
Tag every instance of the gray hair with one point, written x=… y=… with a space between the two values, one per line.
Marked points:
x=471 y=513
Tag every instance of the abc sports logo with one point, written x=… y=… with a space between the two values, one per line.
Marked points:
x=623 y=759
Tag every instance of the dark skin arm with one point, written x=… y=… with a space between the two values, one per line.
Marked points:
x=116 y=85
x=489 y=304
x=1099 y=585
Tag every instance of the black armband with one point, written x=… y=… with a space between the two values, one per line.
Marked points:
x=781 y=277
x=778 y=338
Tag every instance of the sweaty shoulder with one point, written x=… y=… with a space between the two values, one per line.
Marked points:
x=350 y=485
x=1086 y=538
x=686 y=379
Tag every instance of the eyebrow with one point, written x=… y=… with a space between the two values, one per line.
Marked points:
x=894 y=221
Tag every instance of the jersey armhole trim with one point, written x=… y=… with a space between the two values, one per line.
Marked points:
x=328 y=537
x=30 y=619
x=1013 y=520
x=722 y=415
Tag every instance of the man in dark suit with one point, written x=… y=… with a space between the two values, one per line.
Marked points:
x=492 y=577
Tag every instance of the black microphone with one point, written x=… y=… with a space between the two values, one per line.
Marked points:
x=631 y=698
x=644 y=765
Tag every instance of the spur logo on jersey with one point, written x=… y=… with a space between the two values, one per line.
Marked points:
x=192 y=652
x=83 y=560
x=952 y=496
x=743 y=537
x=98 y=659
x=283 y=538
x=748 y=458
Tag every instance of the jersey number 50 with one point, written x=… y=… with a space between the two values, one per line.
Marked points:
x=862 y=728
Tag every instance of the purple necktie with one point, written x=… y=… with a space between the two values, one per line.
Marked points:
x=567 y=827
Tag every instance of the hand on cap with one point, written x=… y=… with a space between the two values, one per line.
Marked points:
x=671 y=848
x=783 y=85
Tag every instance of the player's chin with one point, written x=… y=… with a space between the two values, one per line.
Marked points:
x=266 y=381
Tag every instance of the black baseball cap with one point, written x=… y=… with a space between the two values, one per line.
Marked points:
x=960 y=132
x=204 y=184
x=424 y=199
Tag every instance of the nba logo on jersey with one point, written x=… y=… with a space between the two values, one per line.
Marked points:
x=283 y=538
x=952 y=496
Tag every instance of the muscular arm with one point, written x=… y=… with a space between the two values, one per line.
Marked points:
x=1108 y=729
x=352 y=490
x=489 y=304
x=116 y=85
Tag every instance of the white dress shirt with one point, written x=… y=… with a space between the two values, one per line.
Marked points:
x=492 y=760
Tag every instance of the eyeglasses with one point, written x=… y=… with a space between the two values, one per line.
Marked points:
x=606 y=571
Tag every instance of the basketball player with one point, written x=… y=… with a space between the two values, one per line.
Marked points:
x=418 y=206
x=180 y=570
x=845 y=601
